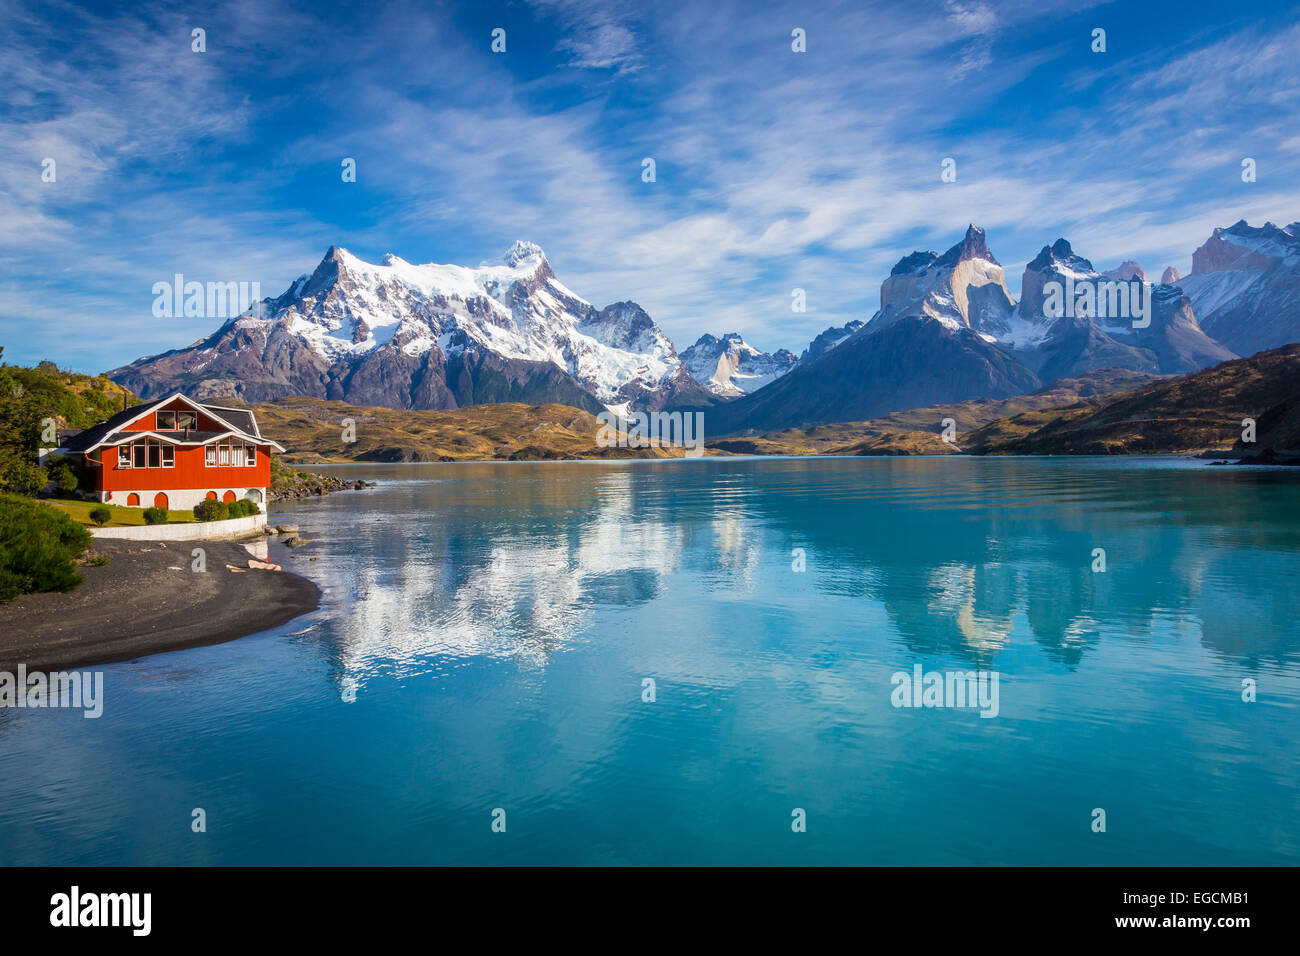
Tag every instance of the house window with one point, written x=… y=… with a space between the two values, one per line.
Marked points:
x=146 y=454
x=250 y=455
x=223 y=454
x=237 y=450
x=210 y=456
x=177 y=421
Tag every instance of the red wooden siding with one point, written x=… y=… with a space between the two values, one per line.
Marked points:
x=149 y=422
x=190 y=471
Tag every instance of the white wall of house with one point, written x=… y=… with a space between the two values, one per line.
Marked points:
x=190 y=531
x=181 y=499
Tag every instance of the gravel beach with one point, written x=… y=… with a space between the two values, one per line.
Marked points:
x=147 y=600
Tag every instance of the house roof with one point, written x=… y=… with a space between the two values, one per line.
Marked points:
x=241 y=418
x=241 y=421
x=94 y=435
x=190 y=437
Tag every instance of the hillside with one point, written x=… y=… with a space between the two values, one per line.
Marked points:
x=28 y=396
x=1195 y=413
x=312 y=430
x=917 y=432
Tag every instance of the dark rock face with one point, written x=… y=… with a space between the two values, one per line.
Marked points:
x=913 y=363
x=1175 y=337
x=972 y=246
x=829 y=339
x=1076 y=346
x=258 y=370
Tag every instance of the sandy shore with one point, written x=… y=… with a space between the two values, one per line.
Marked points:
x=147 y=600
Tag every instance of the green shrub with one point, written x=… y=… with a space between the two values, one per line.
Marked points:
x=155 y=515
x=100 y=515
x=62 y=474
x=22 y=477
x=39 y=547
x=211 y=510
x=243 y=508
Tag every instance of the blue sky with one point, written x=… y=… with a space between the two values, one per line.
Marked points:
x=775 y=169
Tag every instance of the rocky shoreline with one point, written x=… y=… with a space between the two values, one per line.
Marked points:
x=289 y=484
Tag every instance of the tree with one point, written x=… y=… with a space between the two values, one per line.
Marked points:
x=39 y=547
x=64 y=476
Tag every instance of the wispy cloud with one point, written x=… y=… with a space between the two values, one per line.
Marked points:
x=775 y=169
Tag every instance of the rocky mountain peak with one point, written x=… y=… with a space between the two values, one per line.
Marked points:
x=1059 y=253
x=972 y=246
x=1126 y=271
x=523 y=253
x=914 y=262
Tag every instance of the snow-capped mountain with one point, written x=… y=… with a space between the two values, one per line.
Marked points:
x=431 y=336
x=729 y=366
x=963 y=288
x=1245 y=286
x=933 y=340
x=1095 y=336
x=948 y=330
x=446 y=336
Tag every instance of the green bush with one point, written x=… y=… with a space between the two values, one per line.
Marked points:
x=62 y=474
x=22 y=476
x=243 y=508
x=155 y=515
x=39 y=547
x=100 y=515
x=211 y=510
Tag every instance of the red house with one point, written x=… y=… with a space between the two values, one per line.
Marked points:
x=174 y=452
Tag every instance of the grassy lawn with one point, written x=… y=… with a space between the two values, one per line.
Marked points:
x=80 y=511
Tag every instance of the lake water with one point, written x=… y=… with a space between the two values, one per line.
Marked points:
x=488 y=631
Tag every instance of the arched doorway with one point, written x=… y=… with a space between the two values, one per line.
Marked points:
x=133 y=500
x=254 y=495
x=228 y=497
x=212 y=496
x=160 y=500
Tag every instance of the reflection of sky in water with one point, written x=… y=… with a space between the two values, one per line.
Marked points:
x=492 y=562
x=487 y=627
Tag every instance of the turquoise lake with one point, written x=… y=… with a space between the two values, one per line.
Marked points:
x=488 y=629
